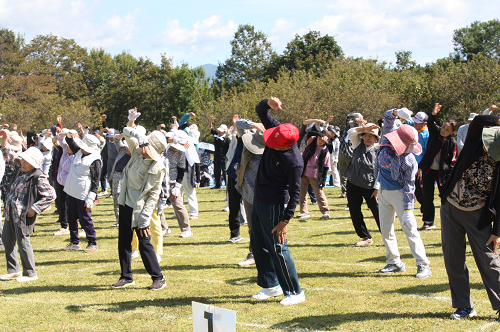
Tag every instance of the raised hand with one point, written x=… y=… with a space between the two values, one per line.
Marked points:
x=437 y=108
x=191 y=114
x=274 y=103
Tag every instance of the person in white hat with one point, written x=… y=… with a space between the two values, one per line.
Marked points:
x=81 y=186
x=29 y=195
x=46 y=146
x=221 y=143
x=138 y=198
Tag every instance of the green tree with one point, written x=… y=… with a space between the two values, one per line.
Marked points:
x=404 y=61
x=479 y=38
x=309 y=52
x=250 y=56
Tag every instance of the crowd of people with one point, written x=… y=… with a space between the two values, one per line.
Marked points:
x=268 y=168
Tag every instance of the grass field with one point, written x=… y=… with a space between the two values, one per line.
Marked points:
x=343 y=289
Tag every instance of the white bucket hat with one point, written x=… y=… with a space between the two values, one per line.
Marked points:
x=222 y=128
x=90 y=144
x=157 y=144
x=33 y=156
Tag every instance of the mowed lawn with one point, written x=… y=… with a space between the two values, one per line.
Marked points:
x=343 y=289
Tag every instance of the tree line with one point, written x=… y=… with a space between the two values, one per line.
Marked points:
x=313 y=77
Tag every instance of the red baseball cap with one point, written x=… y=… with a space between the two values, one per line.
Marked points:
x=282 y=136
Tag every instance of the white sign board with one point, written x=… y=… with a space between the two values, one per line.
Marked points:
x=207 y=318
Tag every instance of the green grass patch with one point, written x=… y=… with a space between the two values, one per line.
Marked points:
x=343 y=289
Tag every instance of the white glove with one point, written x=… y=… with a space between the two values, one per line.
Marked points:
x=409 y=219
x=161 y=206
x=133 y=114
x=89 y=202
x=176 y=190
x=404 y=113
x=68 y=134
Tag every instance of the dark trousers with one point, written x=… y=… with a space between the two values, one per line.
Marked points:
x=146 y=249
x=355 y=195
x=219 y=168
x=455 y=225
x=104 y=171
x=234 y=207
x=273 y=260
x=428 y=181
x=419 y=193
x=311 y=194
x=63 y=205
x=77 y=210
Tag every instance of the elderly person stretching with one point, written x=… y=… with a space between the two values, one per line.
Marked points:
x=395 y=169
x=29 y=195
x=470 y=205
x=360 y=180
x=138 y=198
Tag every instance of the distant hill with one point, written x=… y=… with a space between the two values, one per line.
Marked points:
x=209 y=70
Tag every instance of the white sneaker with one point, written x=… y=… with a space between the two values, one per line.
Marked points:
x=266 y=293
x=82 y=233
x=26 y=278
x=166 y=231
x=303 y=215
x=226 y=209
x=294 y=299
x=62 y=231
x=247 y=262
x=135 y=254
x=187 y=234
x=158 y=257
x=326 y=216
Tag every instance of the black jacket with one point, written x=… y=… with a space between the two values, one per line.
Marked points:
x=434 y=145
x=472 y=151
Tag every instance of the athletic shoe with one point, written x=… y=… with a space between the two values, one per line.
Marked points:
x=135 y=254
x=344 y=195
x=423 y=271
x=193 y=217
x=463 y=313
x=314 y=203
x=234 y=239
x=303 y=215
x=62 y=231
x=102 y=193
x=389 y=268
x=26 y=278
x=110 y=196
x=10 y=276
x=427 y=227
x=266 y=293
x=226 y=209
x=116 y=224
x=293 y=299
x=166 y=231
x=82 y=233
x=325 y=216
x=346 y=208
x=365 y=242
x=72 y=246
x=248 y=261
x=158 y=284
x=187 y=234
x=91 y=248
x=123 y=283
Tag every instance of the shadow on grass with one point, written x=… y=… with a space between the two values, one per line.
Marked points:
x=75 y=261
x=407 y=257
x=57 y=289
x=429 y=289
x=334 y=321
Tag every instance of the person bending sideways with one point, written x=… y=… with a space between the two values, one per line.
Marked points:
x=470 y=205
x=278 y=182
x=395 y=169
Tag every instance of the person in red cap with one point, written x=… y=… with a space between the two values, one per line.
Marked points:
x=277 y=183
x=395 y=169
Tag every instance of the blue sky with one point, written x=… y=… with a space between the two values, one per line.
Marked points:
x=198 y=32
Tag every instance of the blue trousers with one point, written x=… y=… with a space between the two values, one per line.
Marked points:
x=274 y=263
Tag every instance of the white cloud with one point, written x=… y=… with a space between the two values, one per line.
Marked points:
x=70 y=19
x=282 y=26
x=209 y=29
